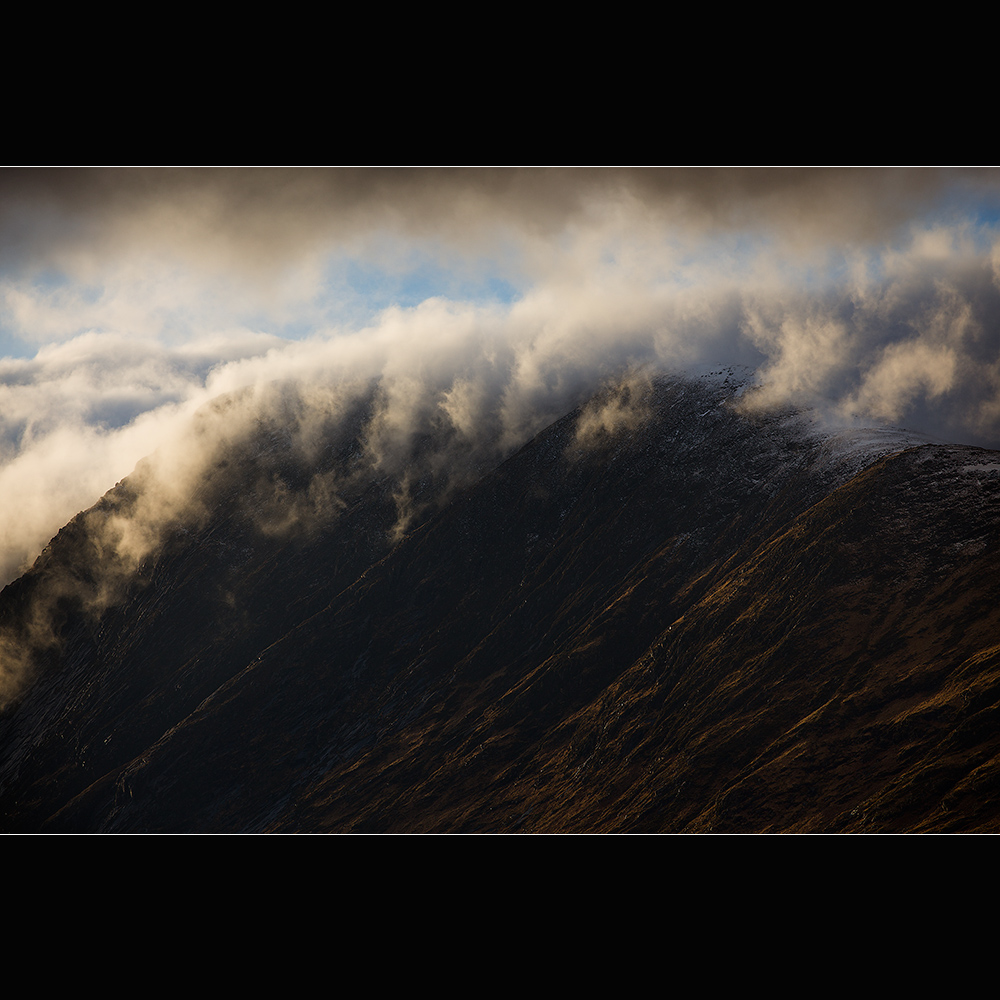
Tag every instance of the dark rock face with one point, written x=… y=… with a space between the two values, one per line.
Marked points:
x=663 y=614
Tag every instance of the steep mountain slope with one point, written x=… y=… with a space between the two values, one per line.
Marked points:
x=664 y=613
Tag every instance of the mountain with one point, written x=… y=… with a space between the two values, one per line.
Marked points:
x=667 y=612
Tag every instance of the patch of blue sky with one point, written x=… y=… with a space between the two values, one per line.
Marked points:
x=48 y=284
x=50 y=281
x=975 y=207
x=408 y=286
x=986 y=226
x=12 y=346
x=356 y=290
x=988 y=214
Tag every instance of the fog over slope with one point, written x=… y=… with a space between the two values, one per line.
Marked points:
x=482 y=303
x=672 y=610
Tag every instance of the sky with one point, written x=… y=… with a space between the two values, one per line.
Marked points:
x=480 y=298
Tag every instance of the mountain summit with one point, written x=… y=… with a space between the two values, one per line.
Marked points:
x=670 y=611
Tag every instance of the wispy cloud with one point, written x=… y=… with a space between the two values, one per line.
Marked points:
x=486 y=302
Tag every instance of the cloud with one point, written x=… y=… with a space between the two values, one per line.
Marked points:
x=622 y=406
x=130 y=298
x=267 y=222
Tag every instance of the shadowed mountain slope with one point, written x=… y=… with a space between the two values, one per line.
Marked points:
x=664 y=614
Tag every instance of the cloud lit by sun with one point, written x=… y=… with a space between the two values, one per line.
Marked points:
x=480 y=298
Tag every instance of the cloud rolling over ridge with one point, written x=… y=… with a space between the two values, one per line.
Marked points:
x=485 y=303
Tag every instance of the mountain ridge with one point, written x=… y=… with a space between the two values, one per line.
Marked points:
x=602 y=634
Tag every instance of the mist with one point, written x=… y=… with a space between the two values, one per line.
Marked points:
x=480 y=304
